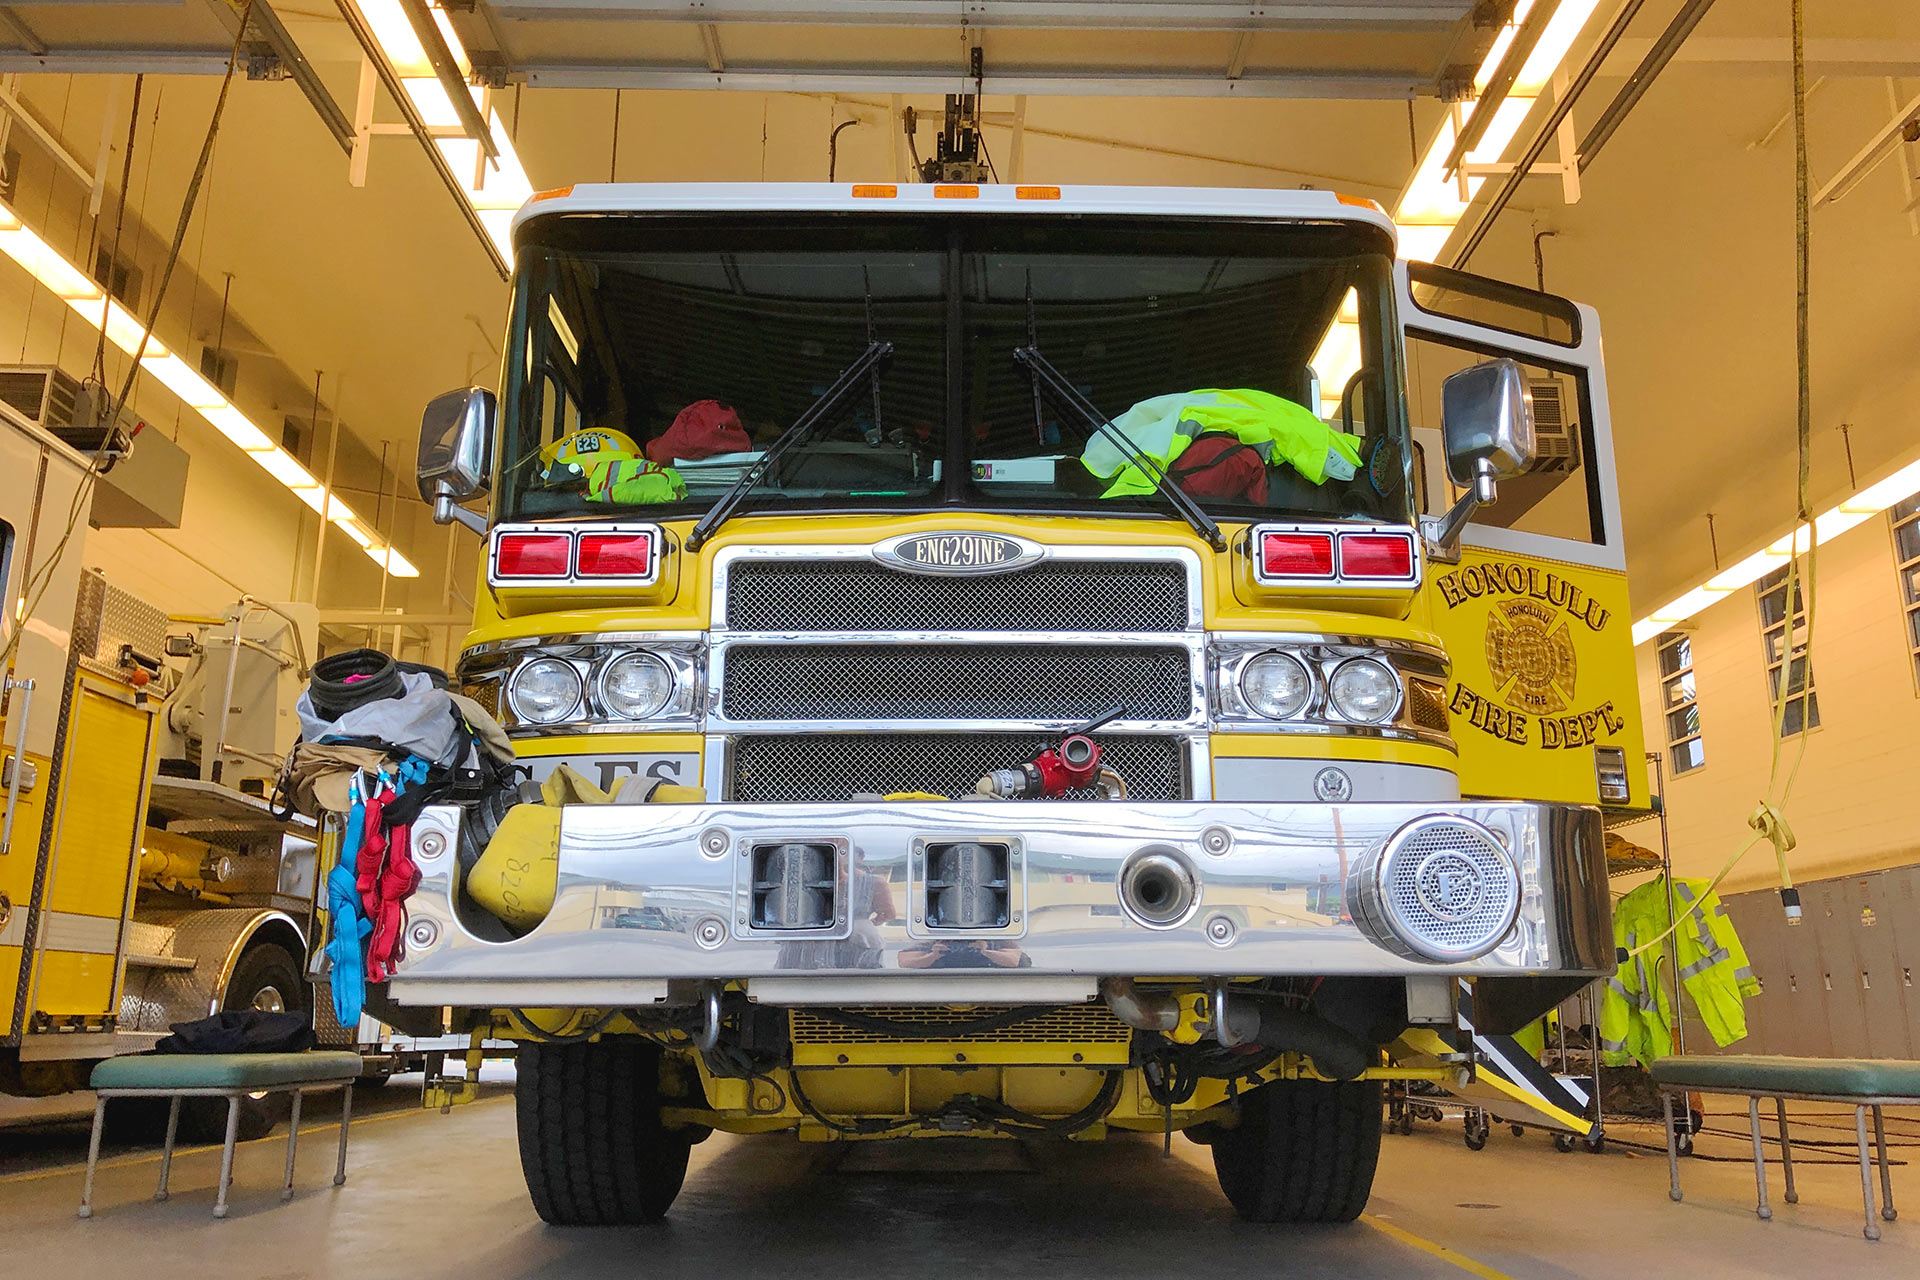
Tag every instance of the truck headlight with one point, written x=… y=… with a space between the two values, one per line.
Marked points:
x=544 y=691
x=1364 y=690
x=1275 y=685
x=635 y=686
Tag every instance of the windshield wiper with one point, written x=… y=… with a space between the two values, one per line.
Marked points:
x=833 y=402
x=1050 y=382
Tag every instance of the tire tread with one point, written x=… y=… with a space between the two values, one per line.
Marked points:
x=592 y=1147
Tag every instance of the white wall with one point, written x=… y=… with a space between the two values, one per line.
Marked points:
x=1852 y=806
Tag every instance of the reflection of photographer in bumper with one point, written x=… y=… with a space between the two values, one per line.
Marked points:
x=872 y=900
x=966 y=953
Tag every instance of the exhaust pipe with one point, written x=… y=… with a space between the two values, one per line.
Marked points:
x=1158 y=888
x=1337 y=1053
x=1139 y=1010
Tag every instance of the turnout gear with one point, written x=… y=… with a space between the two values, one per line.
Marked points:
x=1636 y=1008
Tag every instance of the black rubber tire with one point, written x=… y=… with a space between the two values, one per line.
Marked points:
x=591 y=1143
x=262 y=965
x=1304 y=1151
x=1517 y=1130
x=1563 y=1142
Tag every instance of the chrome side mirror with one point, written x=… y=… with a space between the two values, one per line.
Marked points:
x=456 y=453
x=1486 y=418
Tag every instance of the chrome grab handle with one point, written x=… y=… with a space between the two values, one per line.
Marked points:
x=19 y=760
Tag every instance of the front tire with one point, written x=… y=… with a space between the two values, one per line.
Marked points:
x=1304 y=1151
x=591 y=1143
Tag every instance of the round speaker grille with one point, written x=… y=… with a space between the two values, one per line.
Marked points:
x=1449 y=888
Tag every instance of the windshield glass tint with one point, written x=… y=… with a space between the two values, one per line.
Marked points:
x=655 y=359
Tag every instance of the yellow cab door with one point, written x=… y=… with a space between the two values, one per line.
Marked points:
x=1543 y=695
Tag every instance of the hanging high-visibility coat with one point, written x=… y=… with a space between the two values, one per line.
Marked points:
x=1278 y=429
x=1636 y=1008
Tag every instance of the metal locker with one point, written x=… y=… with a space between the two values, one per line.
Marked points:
x=1877 y=967
x=1829 y=918
x=1771 y=1014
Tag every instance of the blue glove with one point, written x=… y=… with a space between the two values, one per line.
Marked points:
x=347 y=943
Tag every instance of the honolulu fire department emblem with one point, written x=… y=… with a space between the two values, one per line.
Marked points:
x=1530 y=654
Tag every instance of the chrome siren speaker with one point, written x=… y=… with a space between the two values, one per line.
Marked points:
x=1440 y=888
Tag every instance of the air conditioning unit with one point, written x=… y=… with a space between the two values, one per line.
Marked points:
x=45 y=395
x=140 y=485
x=1556 y=435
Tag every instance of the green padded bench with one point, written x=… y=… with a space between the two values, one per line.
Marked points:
x=232 y=1076
x=1865 y=1084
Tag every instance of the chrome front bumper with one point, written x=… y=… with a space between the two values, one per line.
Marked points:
x=652 y=894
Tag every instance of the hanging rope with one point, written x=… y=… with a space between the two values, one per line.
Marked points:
x=1768 y=819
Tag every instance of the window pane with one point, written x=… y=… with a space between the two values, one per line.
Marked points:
x=1688 y=755
x=1913 y=627
x=1794 y=719
x=1680 y=689
x=1813 y=711
x=1773 y=608
x=1798 y=677
x=1684 y=723
x=1675 y=655
x=1906 y=541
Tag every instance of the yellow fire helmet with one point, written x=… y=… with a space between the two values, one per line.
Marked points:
x=574 y=454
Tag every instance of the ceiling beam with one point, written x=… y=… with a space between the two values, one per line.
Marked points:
x=447 y=71
x=1885 y=142
x=1166 y=15
x=626 y=75
x=265 y=33
x=710 y=41
x=23 y=35
x=1768 y=55
x=403 y=103
x=111 y=60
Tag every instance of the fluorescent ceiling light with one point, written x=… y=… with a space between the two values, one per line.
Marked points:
x=495 y=189
x=1848 y=513
x=52 y=270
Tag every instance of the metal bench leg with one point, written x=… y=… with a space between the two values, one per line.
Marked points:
x=1866 y=1171
x=346 y=1117
x=293 y=1139
x=93 y=1156
x=1759 y=1158
x=1673 y=1150
x=1887 y=1210
x=1786 y=1150
x=226 y=1155
x=166 y=1151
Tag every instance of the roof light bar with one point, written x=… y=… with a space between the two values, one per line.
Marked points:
x=66 y=281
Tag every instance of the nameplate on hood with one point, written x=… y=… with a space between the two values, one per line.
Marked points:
x=958 y=552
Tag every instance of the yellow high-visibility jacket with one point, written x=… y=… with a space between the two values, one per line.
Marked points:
x=1636 y=1007
x=1277 y=429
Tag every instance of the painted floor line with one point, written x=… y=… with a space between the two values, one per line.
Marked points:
x=180 y=1153
x=1435 y=1249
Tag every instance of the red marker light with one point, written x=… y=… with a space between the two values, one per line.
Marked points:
x=1296 y=555
x=532 y=555
x=1376 y=555
x=616 y=555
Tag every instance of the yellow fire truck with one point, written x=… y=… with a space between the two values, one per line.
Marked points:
x=1149 y=659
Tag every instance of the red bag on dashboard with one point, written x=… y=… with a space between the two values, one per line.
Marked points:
x=700 y=430
x=1219 y=465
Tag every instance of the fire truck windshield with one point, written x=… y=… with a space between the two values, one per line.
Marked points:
x=655 y=358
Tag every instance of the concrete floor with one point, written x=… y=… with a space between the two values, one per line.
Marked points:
x=440 y=1196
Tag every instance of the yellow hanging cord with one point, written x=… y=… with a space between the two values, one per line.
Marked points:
x=1768 y=819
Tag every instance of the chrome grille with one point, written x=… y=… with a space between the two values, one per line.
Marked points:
x=829 y=767
x=835 y=595
x=954 y=682
x=1076 y=1024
